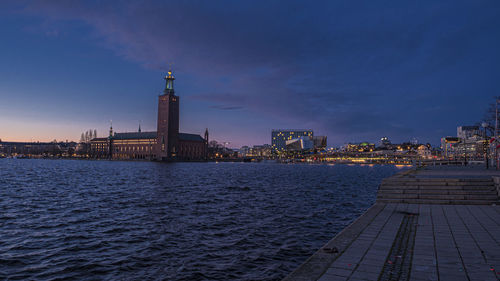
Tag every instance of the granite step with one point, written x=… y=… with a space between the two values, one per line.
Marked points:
x=437 y=187
x=407 y=179
x=440 y=196
x=440 y=191
x=439 y=201
x=436 y=183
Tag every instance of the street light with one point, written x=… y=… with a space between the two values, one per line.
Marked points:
x=465 y=151
x=485 y=125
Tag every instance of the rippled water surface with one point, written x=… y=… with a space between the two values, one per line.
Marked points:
x=182 y=221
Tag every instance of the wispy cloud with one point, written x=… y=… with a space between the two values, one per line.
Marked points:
x=351 y=69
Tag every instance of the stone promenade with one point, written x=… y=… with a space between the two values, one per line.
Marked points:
x=408 y=241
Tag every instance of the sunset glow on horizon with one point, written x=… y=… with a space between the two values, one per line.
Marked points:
x=350 y=71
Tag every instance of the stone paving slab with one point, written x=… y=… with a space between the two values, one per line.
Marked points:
x=314 y=267
x=451 y=242
x=426 y=240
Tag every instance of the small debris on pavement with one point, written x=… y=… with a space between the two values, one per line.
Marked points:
x=333 y=250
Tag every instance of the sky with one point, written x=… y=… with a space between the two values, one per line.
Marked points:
x=351 y=70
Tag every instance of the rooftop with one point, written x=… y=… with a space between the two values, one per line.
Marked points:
x=135 y=135
x=190 y=137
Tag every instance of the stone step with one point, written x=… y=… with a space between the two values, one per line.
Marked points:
x=403 y=183
x=440 y=196
x=438 y=190
x=441 y=191
x=439 y=201
x=451 y=180
x=481 y=196
x=437 y=187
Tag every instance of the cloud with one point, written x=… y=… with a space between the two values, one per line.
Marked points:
x=350 y=68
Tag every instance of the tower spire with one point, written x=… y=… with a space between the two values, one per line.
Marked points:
x=169 y=85
x=139 y=126
x=110 y=128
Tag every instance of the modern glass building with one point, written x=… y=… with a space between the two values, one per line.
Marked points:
x=279 y=137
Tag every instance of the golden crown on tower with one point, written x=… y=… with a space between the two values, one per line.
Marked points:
x=169 y=72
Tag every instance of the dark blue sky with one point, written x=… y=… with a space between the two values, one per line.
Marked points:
x=351 y=70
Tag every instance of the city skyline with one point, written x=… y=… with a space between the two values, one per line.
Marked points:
x=348 y=71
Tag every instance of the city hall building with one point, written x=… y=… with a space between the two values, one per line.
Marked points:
x=166 y=144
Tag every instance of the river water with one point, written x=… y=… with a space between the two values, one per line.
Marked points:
x=109 y=220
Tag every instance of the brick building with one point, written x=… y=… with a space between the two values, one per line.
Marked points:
x=166 y=144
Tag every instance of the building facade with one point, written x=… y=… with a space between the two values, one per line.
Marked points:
x=470 y=143
x=168 y=121
x=305 y=143
x=466 y=132
x=134 y=146
x=280 y=137
x=31 y=149
x=359 y=147
x=166 y=144
x=255 y=151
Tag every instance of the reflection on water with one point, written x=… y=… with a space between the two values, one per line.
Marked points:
x=182 y=221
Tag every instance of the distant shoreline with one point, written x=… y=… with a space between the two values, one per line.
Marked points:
x=213 y=161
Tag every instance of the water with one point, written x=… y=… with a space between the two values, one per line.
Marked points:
x=183 y=221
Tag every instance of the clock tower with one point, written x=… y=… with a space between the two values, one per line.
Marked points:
x=168 y=121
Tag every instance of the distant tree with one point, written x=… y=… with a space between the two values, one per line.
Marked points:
x=95 y=133
x=213 y=144
x=490 y=117
x=82 y=138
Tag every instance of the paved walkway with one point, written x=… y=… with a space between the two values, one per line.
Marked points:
x=398 y=241
x=415 y=242
x=451 y=242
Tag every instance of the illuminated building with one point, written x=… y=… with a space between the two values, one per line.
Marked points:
x=469 y=143
x=450 y=146
x=424 y=151
x=471 y=139
x=166 y=144
x=359 y=147
x=467 y=132
x=306 y=143
x=279 y=138
x=255 y=151
x=385 y=142
x=99 y=148
x=37 y=148
x=300 y=143
x=319 y=142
